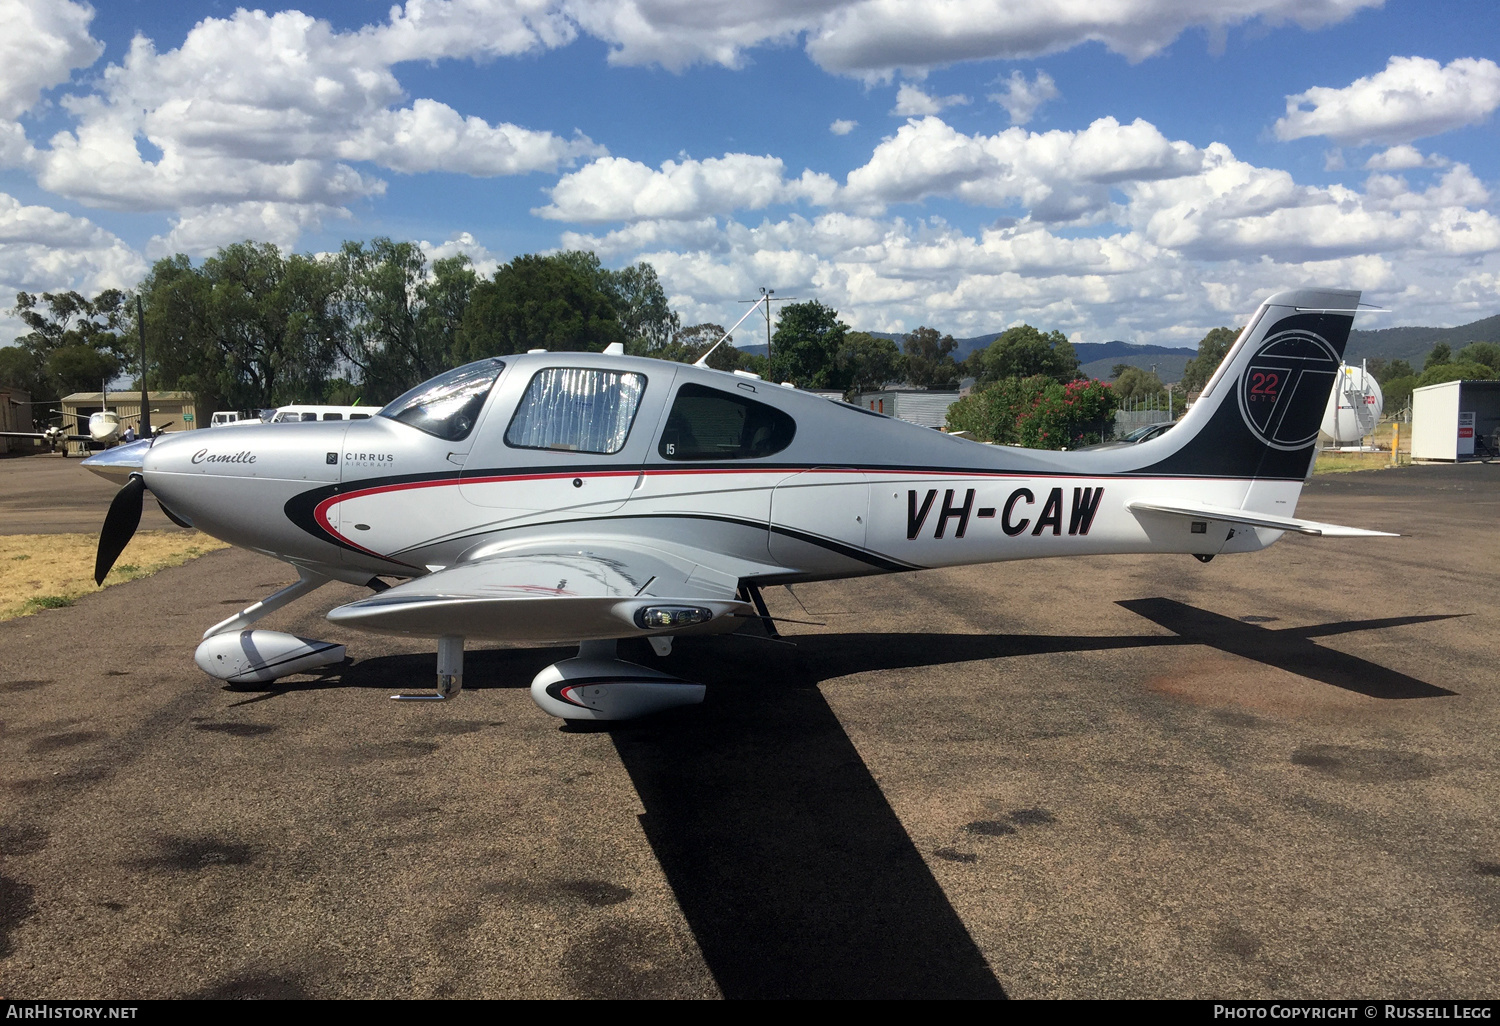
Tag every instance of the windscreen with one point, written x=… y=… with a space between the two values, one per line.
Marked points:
x=447 y=406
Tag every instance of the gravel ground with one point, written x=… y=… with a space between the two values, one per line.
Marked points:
x=1273 y=775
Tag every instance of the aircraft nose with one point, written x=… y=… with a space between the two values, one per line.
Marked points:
x=119 y=462
x=167 y=452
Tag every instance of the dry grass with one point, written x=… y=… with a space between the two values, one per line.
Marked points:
x=1384 y=432
x=1344 y=462
x=46 y=571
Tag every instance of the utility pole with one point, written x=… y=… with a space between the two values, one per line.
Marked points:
x=766 y=298
x=140 y=320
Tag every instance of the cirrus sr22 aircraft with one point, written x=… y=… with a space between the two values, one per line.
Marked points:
x=589 y=497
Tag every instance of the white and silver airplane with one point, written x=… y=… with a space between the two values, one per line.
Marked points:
x=104 y=429
x=590 y=497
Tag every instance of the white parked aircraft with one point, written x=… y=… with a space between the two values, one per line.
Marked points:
x=104 y=429
x=589 y=497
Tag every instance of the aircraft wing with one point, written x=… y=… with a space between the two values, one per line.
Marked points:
x=36 y=434
x=562 y=594
x=1203 y=511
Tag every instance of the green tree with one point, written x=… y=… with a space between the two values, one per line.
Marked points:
x=640 y=302
x=1397 y=393
x=928 y=359
x=176 y=299
x=1388 y=370
x=1487 y=353
x=1022 y=352
x=1441 y=353
x=1441 y=372
x=396 y=320
x=806 y=344
x=270 y=319
x=1135 y=383
x=74 y=343
x=538 y=302
x=250 y=327
x=868 y=362
x=1037 y=412
x=1066 y=416
x=81 y=368
x=19 y=369
x=689 y=344
x=1211 y=352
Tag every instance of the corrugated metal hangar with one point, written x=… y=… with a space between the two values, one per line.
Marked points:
x=919 y=406
x=175 y=410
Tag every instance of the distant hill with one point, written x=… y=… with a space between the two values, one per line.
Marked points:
x=1088 y=352
x=1413 y=344
x=1168 y=366
x=1099 y=358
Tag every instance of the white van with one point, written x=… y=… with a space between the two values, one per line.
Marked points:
x=224 y=417
x=296 y=414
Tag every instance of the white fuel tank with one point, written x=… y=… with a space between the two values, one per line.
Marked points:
x=249 y=657
x=1355 y=406
x=608 y=689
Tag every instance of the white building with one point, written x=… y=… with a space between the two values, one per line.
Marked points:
x=1455 y=420
x=916 y=405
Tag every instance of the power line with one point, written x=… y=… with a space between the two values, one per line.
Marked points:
x=767 y=297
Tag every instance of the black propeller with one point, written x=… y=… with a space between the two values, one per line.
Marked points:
x=119 y=526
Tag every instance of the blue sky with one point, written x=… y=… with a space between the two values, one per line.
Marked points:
x=965 y=165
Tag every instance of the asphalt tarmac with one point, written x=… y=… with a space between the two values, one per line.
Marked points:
x=51 y=493
x=1274 y=775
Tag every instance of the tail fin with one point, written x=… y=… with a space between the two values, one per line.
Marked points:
x=1259 y=414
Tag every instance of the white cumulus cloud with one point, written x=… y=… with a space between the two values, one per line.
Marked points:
x=1059 y=175
x=485 y=263
x=1175 y=240
x=616 y=189
x=1021 y=99
x=432 y=136
x=258 y=113
x=42 y=249
x=42 y=42
x=911 y=101
x=1412 y=98
x=871 y=38
x=200 y=230
x=1399 y=158
x=843 y=127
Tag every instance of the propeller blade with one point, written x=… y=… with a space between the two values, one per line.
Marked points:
x=119 y=526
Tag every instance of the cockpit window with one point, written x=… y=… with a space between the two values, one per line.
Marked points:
x=577 y=410
x=706 y=424
x=449 y=404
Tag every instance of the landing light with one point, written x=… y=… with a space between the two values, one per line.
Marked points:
x=656 y=617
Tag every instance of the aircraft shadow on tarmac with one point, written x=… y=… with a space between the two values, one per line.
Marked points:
x=792 y=869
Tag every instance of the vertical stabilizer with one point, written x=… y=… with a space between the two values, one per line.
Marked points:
x=1258 y=416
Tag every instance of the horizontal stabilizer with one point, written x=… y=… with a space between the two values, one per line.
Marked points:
x=1202 y=511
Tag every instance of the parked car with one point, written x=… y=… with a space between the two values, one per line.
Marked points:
x=1144 y=433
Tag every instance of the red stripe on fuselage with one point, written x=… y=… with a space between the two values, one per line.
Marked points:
x=320 y=512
